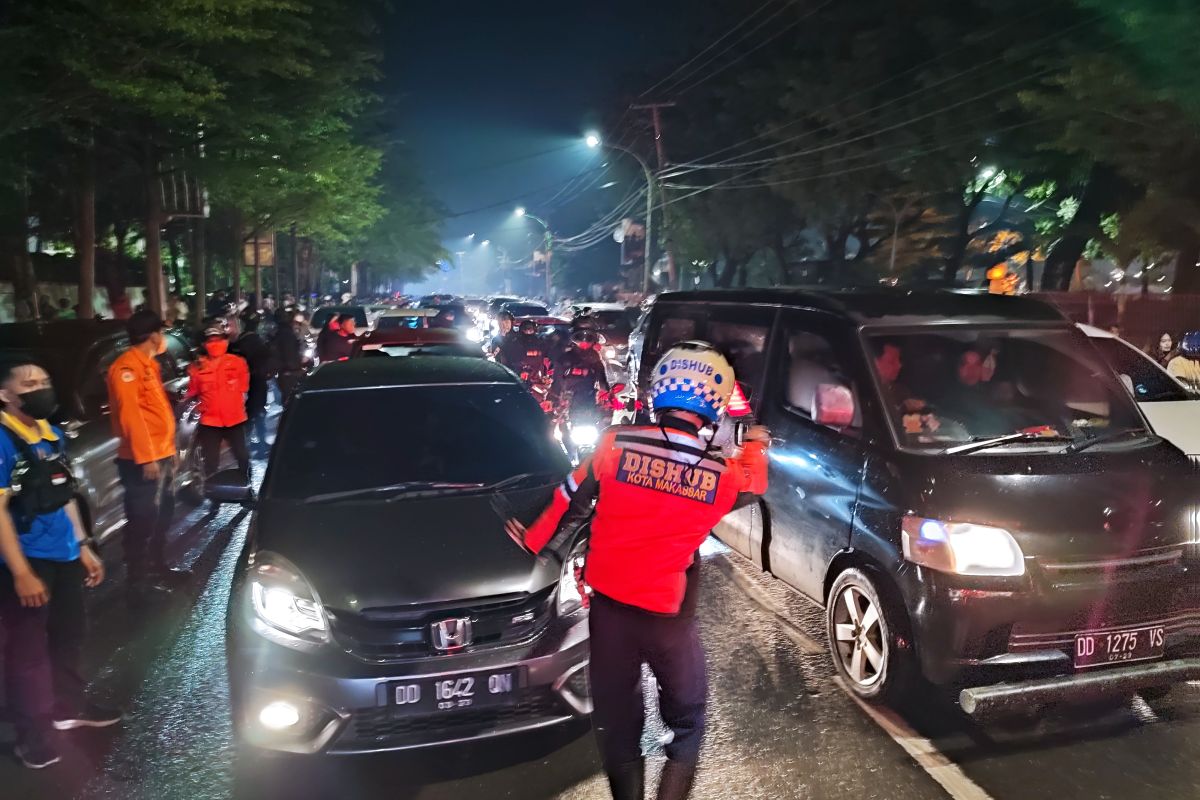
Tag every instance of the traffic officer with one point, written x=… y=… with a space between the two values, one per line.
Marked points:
x=658 y=490
x=144 y=421
x=46 y=561
x=221 y=380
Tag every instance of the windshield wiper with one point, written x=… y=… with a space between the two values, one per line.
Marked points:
x=984 y=444
x=393 y=489
x=1108 y=437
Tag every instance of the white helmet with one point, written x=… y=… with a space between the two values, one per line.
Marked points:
x=692 y=376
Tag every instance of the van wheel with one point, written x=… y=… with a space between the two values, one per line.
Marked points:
x=869 y=640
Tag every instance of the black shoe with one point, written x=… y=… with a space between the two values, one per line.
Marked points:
x=628 y=781
x=90 y=716
x=37 y=755
x=676 y=781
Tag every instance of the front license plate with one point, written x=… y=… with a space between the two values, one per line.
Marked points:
x=1118 y=647
x=450 y=692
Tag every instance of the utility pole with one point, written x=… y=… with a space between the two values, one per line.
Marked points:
x=655 y=110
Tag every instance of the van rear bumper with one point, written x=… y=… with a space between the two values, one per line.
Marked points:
x=982 y=702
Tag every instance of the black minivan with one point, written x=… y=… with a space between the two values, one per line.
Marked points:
x=965 y=486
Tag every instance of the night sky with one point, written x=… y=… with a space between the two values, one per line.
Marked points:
x=494 y=99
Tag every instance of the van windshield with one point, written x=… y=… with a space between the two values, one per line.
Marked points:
x=955 y=387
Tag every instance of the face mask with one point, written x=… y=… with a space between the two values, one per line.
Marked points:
x=216 y=348
x=40 y=403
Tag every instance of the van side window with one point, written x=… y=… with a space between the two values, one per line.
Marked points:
x=810 y=363
x=93 y=391
x=671 y=331
x=744 y=344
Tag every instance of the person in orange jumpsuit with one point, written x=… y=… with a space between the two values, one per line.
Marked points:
x=143 y=419
x=658 y=490
x=221 y=380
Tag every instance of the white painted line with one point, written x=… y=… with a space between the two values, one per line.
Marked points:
x=948 y=774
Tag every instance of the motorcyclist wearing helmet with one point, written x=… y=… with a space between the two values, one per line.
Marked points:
x=505 y=321
x=658 y=490
x=1186 y=365
x=579 y=371
x=526 y=354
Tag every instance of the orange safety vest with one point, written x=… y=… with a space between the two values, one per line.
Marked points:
x=142 y=416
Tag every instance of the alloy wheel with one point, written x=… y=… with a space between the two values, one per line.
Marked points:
x=859 y=637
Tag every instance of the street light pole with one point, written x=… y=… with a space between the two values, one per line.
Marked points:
x=593 y=141
x=521 y=212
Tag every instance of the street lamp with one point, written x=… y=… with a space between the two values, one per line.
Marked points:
x=521 y=212
x=593 y=141
x=485 y=242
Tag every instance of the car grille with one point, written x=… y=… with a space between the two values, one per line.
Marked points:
x=383 y=726
x=388 y=634
x=1175 y=607
x=1146 y=565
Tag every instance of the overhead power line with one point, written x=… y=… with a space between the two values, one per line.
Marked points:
x=713 y=44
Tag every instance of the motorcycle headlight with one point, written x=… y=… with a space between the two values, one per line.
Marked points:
x=573 y=592
x=610 y=352
x=283 y=600
x=961 y=548
x=584 y=435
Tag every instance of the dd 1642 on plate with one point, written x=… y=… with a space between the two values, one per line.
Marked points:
x=450 y=692
x=1101 y=648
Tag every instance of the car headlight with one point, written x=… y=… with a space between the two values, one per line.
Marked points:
x=475 y=335
x=610 y=352
x=584 y=435
x=573 y=592
x=961 y=548
x=284 y=601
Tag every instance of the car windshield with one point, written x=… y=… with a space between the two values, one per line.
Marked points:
x=955 y=387
x=526 y=310
x=393 y=321
x=436 y=349
x=613 y=321
x=1148 y=382
x=422 y=434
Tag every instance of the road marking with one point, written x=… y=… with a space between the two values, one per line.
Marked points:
x=948 y=774
x=756 y=594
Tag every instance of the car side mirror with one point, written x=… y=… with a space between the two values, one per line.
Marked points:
x=1128 y=381
x=229 y=486
x=71 y=428
x=833 y=406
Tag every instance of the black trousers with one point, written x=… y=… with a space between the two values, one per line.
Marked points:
x=42 y=647
x=209 y=438
x=149 y=507
x=622 y=638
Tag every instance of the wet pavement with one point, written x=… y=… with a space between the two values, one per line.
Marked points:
x=780 y=726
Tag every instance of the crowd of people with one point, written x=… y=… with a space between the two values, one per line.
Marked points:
x=1180 y=355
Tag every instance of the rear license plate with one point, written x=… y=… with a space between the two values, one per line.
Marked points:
x=451 y=692
x=1118 y=647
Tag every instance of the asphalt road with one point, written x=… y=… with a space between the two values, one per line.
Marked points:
x=780 y=726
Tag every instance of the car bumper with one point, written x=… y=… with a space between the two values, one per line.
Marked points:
x=1021 y=633
x=343 y=705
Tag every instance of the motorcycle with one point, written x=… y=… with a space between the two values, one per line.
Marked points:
x=538 y=385
x=580 y=423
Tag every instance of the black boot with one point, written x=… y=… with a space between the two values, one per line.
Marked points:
x=676 y=781
x=628 y=781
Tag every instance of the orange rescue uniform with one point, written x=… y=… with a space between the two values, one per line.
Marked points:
x=142 y=416
x=221 y=384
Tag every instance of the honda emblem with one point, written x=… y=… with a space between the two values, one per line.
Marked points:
x=451 y=634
